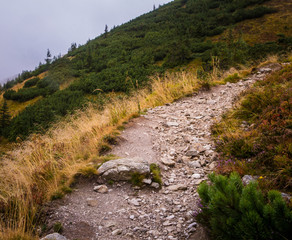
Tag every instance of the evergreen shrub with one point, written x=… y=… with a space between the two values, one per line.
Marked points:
x=234 y=211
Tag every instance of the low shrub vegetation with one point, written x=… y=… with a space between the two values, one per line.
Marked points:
x=255 y=138
x=155 y=172
x=233 y=211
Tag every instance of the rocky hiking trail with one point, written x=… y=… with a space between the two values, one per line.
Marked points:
x=177 y=138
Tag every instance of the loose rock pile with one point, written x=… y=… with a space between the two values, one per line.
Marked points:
x=179 y=135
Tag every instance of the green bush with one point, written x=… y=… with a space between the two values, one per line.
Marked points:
x=232 y=78
x=156 y=175
x=234 y=211
x=38 y=117
x=30 y=83
x=137 y=179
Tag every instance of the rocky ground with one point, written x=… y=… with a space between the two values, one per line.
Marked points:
x=177 y=138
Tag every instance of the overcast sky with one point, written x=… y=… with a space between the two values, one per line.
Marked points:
x=29 y=27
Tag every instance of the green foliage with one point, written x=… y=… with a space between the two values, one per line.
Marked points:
x=66 y=189
x=232 y=78
x=4 y=118
x=38 y=117
x=243 y=14
x=155 y=172
x=88 y=171
x=169 y=37
x=58 y=227
x=46 y=86
x=265 y=137
x=234 y=211
x=57 y=195
x=137 y=179
x=110 y=139
x=104 y=148
x=30 y=83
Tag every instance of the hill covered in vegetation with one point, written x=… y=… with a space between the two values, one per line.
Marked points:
x=181 y=33
x=110 y=79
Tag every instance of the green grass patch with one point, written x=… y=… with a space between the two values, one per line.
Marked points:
x=155 y=172
x=137 y=179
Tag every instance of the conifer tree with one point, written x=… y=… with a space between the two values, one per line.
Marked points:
x=4 y=117
x=49 y=55
x=105 y=31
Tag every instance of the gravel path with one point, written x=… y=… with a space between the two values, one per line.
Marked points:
x=175 y=136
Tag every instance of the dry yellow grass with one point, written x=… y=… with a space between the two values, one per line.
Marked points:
x=39 y=167
x=16 y=107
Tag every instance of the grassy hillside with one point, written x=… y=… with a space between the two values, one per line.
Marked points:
x=122 y=59
x=264 y=29
x=255 y=137
x=115 y=77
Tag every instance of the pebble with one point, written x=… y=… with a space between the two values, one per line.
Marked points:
x=155 y=185
x=117 y=232
x=101 y=189
x=177 y=187
x=147 y=181
x=196 y=176
x=92 y=202
x=167 y=162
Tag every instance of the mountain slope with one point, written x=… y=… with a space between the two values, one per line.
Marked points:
x=122 y=59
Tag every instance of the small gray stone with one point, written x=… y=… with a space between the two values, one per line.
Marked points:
x=194 y=224
x=154 y=233
x=286 y=196
x=147 y=181
x=186 y=159
x=109 y=224
x=167 y=162
x=101 y=189
x=194 y=164
x=155 y=185
x=196 y=176
x=117 y=232
x=212 y=165
x=177 y=187
x=167 y=223
x=197 y=182
x=172 y=124
x=134 y=202
x=246 y=179
x=92 y=202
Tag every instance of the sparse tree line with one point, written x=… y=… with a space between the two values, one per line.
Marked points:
x=167 y=38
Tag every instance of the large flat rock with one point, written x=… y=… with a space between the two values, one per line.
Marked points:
x=123 y=169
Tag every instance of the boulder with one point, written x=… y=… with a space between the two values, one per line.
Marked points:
x=123 y=169
x=54 y=236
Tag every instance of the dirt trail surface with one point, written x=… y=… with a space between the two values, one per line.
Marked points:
x=176 y=137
